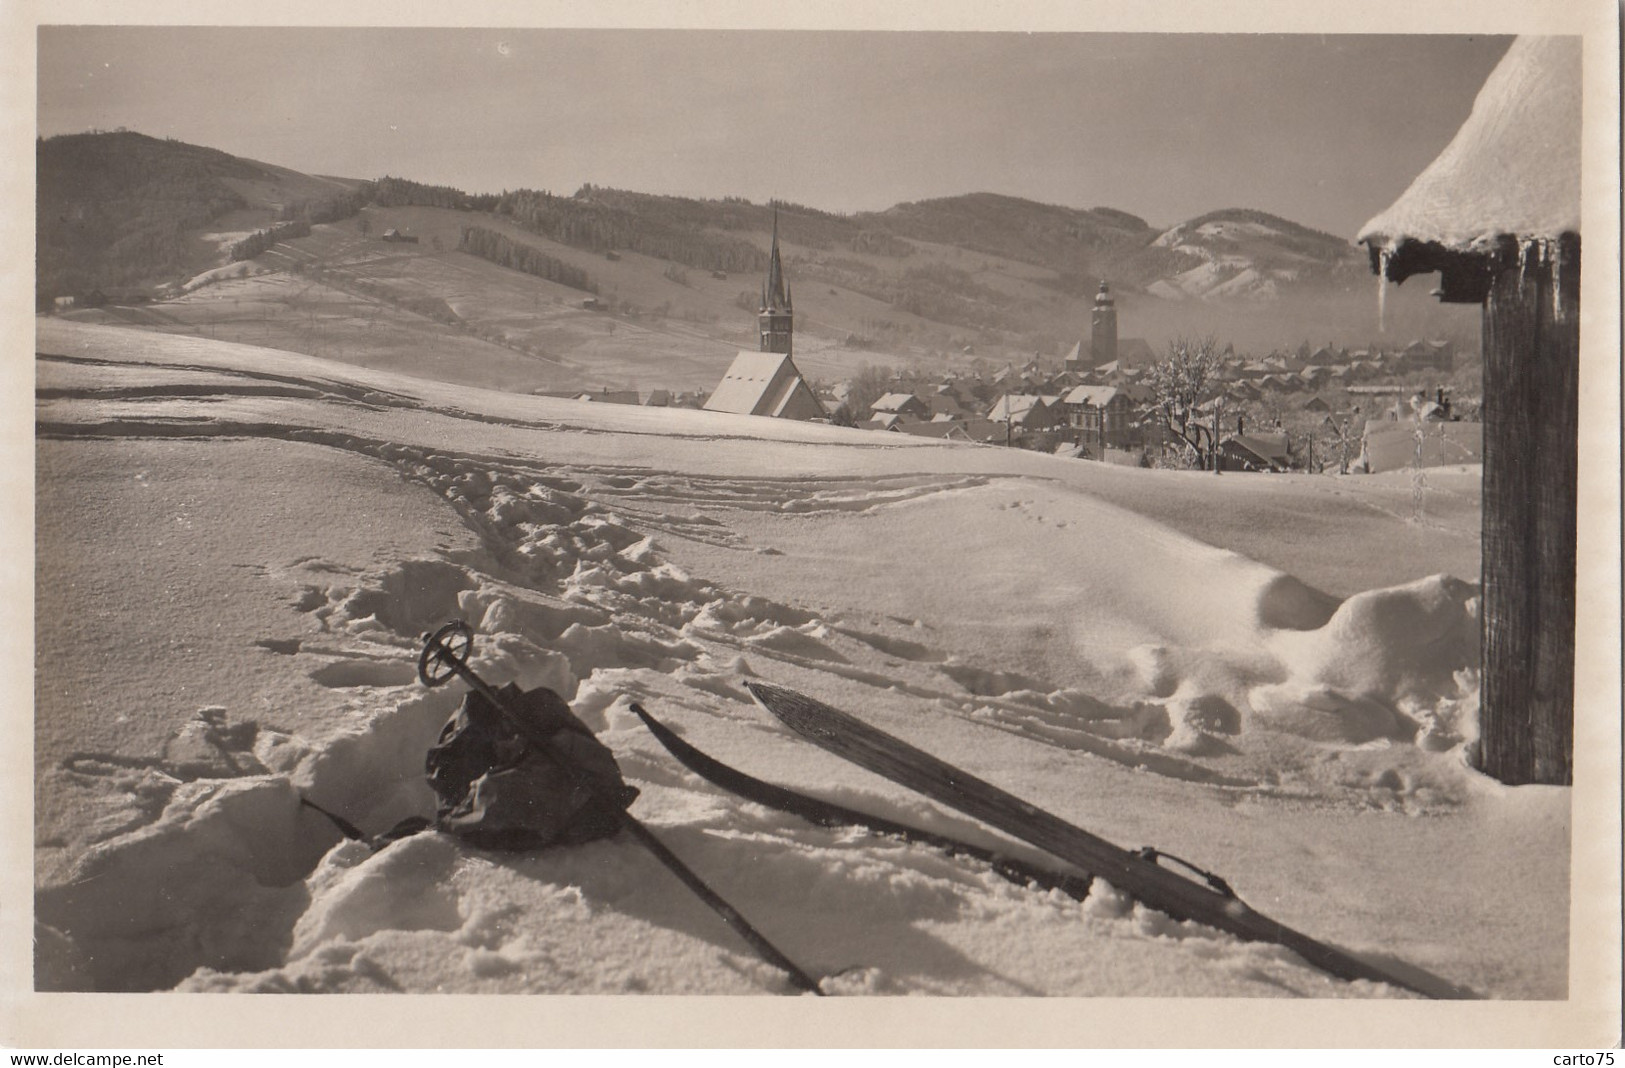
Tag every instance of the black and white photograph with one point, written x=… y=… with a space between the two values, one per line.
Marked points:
x=1076 y=513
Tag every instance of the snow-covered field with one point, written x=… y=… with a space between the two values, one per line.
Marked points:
x=238 y=549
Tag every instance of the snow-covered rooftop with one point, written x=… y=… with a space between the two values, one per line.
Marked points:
x=1099 y=396
x=757 y=383
x=1513 y=168
x=893 y=402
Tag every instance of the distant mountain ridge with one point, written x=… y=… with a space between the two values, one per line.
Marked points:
x=126 y=209
x=123 y=217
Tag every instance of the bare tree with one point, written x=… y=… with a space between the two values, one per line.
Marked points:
x=1181 y=383
x=867 y=386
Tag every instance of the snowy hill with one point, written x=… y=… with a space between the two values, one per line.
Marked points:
x=928 y=284
x=1272 y=677
x=1251 y=255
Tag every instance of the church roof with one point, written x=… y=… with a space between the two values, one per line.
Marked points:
x=759 y=383
x=744 y=386
x=1131 y=352
x=1135 y=352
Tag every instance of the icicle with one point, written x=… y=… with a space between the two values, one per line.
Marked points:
x=1382 y=291
x=1557 y=282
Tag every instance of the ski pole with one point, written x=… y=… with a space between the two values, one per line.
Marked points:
x=445 y=654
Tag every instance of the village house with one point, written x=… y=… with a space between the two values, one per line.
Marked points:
x=609 y=396
x=1244 y=391
x=1430 y=356
x=905 y=406
x=1101 y=415
x=1254 y=452
x=946 y=400
x=1394 y=445
x=976 y=430
x=834 y=396
x=883 y=421
x=1026 y=412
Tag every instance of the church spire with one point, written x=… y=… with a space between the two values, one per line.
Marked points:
x=775 y=269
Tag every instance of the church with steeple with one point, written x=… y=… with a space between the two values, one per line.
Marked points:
x=767 y=382
x=1103 y=350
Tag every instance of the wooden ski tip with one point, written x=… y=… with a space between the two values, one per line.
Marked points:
x=805 y=715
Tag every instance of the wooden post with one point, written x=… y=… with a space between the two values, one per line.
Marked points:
x=1531 y=342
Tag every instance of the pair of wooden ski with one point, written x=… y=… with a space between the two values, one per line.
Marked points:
x=1137 y=874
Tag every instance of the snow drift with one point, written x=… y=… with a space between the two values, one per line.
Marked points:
x=1060 y=628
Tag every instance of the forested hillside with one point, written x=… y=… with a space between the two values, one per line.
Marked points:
x=120 y=208
x=124 y=210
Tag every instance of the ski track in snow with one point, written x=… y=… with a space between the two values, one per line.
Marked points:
x=572 y=587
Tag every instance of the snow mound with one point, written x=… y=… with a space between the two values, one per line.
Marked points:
x=1383 y=658
x=215 y=882
x=1397 y=663
x=1051 y=626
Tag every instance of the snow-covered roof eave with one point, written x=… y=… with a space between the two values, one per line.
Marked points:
x=1509 y=180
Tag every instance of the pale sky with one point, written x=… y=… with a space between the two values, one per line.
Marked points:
x=1324 y=130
